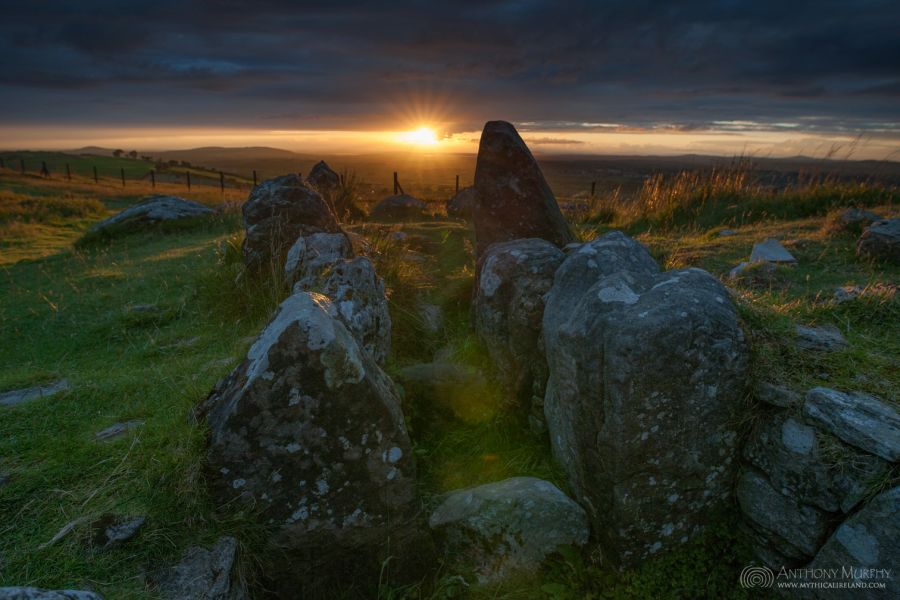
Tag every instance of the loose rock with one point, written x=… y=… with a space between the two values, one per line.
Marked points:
x=881 y=241
x=514 y=200
x=151 y=211
x=820 y=339
x=859 y=419
x=15 y=397
x=401 y=207
x=508 y=527
x=117 y=430
x=110 y=531
x=311 y=255
x=771 y=251
x=31 y=593
x=203 y=575
x=777 y=395
x=462 y=205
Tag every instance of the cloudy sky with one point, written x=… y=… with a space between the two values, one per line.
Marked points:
x=769 y=77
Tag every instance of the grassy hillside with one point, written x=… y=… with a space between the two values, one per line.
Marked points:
x=71 y=314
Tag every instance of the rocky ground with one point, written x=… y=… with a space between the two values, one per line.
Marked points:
x=619 y=405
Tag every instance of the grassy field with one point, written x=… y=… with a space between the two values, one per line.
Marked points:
x=70 y=314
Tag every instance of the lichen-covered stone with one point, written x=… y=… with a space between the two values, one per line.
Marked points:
x=513 y=278
x=820 y=339
x=311 y=255
x=278 y=211
x=514 y=200
x=647 y=370
x=811 y=466
x=462 y=205
x=508 y=527
x=202 y=575
x=150 y=211
x=881 y=241
x=308 y=430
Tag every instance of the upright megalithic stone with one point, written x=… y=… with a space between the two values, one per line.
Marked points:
x=514 y=200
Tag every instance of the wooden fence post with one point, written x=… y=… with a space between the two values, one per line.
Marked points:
x=457 y=184
x=152 y=178
x=68 y=172
x=2 y=164
x=188 y=173
x=22 y=164
x=45 y=172
x=123 y=176
x=254 y=177
x=222 y=181
x=96 y=179
x=593 y=188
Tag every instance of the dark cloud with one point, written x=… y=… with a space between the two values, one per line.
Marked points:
x=626 y=64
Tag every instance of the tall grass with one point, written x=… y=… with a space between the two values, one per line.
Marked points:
x=731 y=196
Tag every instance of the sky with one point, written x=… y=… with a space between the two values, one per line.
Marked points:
x=760 y=77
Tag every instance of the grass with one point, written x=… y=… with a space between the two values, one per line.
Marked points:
x=66 y=313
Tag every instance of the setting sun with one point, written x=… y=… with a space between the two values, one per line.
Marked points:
x=423 y=136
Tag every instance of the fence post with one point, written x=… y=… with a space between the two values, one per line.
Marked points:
x=152 y=178
x=2 y=164
x=96 y=179
x=396 y=183
x=222 y=181
x=188 y=173
x=123 y=176
x=22 y=164
x=45 y=172
x=68 y=172
x=593 y=188
x=254 y=177
x=457 y=184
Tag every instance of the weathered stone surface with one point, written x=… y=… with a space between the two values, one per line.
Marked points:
x=110 y=531
x=859 y=419
x=401 y=207
x=203 y=575
x=323 y=178
x=14 y=397
x=31 y=593
x=851 y=220
x=152 y=210
x=309 y=430
x=794 y=529
x=868 y=540
x=431 y=316
x=117 y=430
x=508 y=527
x=820 y=339
x=771 y=250
x=357 y=293
x=777 y=395
x=514 y=200
x=279 y=211
x=513 y=278
x=647 y=370
x=313 y=254
x=462 y=205
x=810 y=466
x=881 y=241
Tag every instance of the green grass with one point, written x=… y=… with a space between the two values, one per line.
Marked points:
x=108 y=167
x=66 y=314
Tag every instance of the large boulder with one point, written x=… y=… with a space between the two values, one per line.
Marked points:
x=462 y=205
x=881 y=241
x=279 y=211
x=312 y=255
x=513 y=278
x=308 y=431
x=401 y=207
x=864 y=552
x=647 y=371
x=357 y=293
x=514 y=200
x=150 y=211
x=508 y=527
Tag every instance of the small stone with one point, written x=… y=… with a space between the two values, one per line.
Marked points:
x=846 y=293
x=726 y=232
x=881 y=241
x=142 y=308
x=777 y=395
x=31 y=593
x=14 y=397
x=113 y=530
x=117 y=430
x=820 y=339
x=432 y=317
x=771 y=251
x=401 y=207
x=859 y=419
x=203 y=575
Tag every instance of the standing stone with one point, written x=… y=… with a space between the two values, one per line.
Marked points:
x=279 y=211
x=881 y=241
x=514 y=198
x=647 y=372
x=509 y=527
x=513 y=278
x=323 y=178
x=865 y=545
x=311 y=255
x=357 y=293
x=309 y=431
x=462 y=205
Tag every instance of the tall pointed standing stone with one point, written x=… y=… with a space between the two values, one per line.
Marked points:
x=514 y=200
